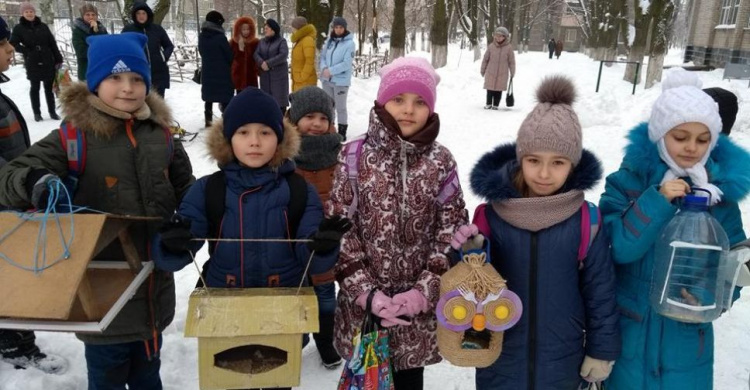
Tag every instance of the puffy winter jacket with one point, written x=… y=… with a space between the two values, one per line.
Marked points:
x=660 y=353
x=401 y=234
x=159 y=48
x=14 y=135
x=39 y=48
x=275 y=81
x=256 y=206
x=567 y=313
x=337 y=55
x=303 y=58
x=130 y=170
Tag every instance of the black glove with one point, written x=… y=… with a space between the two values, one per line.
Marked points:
x=175 y=234
x=38 y=187
x=329 y=234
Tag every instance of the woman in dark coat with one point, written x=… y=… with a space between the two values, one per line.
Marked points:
x=41 y=57
x=271 y=57
x=160 y=47
x=84 y=27
x=216 y=79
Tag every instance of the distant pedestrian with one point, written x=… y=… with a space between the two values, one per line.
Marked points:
x=498 y=61
x=271 y=58
x=216 y=78
x=558 y=48
x=336 y=58
x=551 y=47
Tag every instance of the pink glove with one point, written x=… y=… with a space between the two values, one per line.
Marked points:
x=463 y=234
x=413 y=301
x=380 y=302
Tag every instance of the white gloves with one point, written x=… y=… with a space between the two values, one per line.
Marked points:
x=595 y=370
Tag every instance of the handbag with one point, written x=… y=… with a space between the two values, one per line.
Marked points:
x=370 y=365
x=509 y=99
x=197 y=75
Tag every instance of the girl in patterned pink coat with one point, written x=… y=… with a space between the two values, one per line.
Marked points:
x=403 y=221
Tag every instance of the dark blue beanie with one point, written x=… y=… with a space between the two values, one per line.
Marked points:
x=4 y=30
x=274 y=26
x=253 y=106
x=117 y=53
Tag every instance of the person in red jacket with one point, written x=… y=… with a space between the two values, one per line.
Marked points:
x=244 y=43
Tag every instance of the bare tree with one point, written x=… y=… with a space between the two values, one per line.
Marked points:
x=161 y=9
x=398 y=29
x=661 y=13
x=439 y=35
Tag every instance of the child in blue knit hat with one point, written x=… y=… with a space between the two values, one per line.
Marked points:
x=130 y=165
x=260 y=198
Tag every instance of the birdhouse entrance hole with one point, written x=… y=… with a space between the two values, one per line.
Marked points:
x=251 y=359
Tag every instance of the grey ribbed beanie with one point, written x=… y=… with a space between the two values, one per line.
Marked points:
x=552 y=125
x=310 y=99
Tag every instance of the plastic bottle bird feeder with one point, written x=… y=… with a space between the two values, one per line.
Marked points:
x=76 y=294
x=251 y=337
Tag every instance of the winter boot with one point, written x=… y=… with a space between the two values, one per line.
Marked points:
x=342 y=130
x=324 y=342
x=19 y=349
x=54 y=115
x=38 y=117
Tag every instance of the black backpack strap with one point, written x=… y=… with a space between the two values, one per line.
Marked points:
x=297 y=201
x=216 y=191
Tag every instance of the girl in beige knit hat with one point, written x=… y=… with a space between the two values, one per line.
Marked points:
x=547 y=241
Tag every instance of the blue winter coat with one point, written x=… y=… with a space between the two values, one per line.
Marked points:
x=337 y=55
x=274 y=51
x=216 y=77
x=159 y=48
x=659 y=353
x=256 y=206
x=562 y=305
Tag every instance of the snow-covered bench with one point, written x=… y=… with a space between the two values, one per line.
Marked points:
x=737 y=72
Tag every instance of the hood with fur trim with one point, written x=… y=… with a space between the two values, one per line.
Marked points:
x=220 y=149
x=103 y=120
x=238 y=26
x=727 y=165
x=492 y=176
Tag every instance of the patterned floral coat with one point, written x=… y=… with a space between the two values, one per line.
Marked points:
x=401 y=235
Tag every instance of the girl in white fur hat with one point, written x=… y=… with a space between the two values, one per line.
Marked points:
x=680 y=147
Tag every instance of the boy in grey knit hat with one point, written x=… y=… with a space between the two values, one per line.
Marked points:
x=312 y=112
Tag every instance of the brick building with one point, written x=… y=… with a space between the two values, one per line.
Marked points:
x=718 y=32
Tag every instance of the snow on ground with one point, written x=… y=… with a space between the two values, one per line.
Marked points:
x=469 y=131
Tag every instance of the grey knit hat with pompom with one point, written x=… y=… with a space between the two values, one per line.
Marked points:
x=552 y=126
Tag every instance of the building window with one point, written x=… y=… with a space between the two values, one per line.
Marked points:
x=729 y=9
x=570 y=35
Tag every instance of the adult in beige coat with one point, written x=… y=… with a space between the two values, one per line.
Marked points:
x=498 y=61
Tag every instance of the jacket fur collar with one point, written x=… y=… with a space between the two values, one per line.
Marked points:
x=727 y=165
x=103 y=120
x=492 y=176
x=220 y=149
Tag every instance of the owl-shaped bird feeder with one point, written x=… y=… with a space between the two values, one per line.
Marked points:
x=474 y=309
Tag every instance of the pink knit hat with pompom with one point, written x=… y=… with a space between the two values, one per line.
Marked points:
x=409 y=75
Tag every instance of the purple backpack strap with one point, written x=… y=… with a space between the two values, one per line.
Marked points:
x=590 y=220
x=480 y=219
x=353 y=152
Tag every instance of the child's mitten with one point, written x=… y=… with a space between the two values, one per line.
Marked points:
x=463 y=234
x=38 y=187
x=595 y=370
x=175 y=234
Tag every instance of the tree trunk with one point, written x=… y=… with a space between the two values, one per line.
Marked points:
x=452 y=20
x=180 y=21
x=47 y=13
x=161 y=9
x=338 y=7
x=492 y=20
x=125 y=11
x=317 y=14
x=638 y=48
x=439 y=35
x=70 y=10
x=655 y=66
x=398 y=29
x=661 y=12
x=278 y=11
x=375 y=26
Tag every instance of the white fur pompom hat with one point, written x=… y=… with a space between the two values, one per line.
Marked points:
x=681 y=101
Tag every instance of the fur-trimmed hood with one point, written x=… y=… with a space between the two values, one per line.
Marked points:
x=220 y=148
x=77 y=103
x=238 y=26
x=492 y=176
x=727 y=165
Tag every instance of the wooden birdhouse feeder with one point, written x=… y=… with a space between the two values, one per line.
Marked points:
x=252 y=337
x=75 y=294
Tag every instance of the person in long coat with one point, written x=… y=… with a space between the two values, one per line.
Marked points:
x=303 y=54
x=216 y=81
x=551 y=47
x=85 y=26
x=160 y=47
x=271 y=58
x=498 y=61
x=558 y=48
x=41 y=57
x=244 y=43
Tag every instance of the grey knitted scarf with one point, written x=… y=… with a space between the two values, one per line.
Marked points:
x=535 y=214
x=318 y=151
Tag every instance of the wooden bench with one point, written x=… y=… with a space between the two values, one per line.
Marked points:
x=737 y=72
